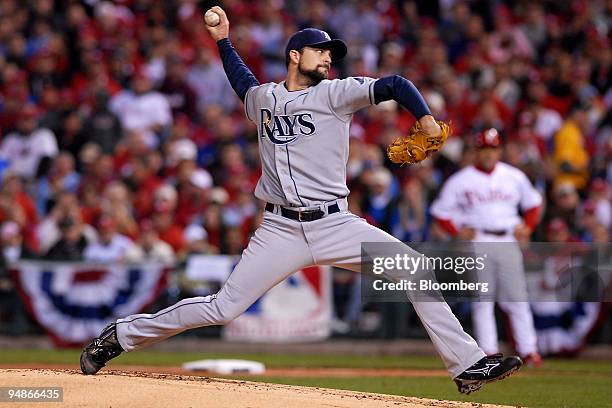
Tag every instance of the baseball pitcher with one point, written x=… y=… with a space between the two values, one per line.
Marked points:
x=303 y=125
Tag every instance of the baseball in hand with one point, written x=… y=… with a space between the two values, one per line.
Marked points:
x=211 y=18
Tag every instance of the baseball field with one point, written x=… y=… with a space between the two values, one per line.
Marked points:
x=154 y=378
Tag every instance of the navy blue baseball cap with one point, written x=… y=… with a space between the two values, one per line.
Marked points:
x=312 y=37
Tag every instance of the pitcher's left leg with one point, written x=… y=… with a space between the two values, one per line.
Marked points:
x=336 y=240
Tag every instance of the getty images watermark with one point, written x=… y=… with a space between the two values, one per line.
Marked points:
x=402 y=264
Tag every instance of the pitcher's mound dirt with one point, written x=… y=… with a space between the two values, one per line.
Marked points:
x=129 y=389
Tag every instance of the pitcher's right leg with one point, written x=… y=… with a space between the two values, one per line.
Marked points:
x=259 y=269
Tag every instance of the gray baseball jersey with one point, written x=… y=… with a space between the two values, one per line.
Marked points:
x=304 y=138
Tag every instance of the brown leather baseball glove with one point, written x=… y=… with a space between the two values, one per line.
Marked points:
x=418 y=145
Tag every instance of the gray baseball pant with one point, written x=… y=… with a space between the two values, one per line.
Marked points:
x=279 y=248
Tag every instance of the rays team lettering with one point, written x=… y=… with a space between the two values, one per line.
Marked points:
x=284 y=129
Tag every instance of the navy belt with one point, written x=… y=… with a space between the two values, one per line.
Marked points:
x=304 y=215
x=499 y=233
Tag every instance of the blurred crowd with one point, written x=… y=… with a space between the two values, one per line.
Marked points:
x=122 y=140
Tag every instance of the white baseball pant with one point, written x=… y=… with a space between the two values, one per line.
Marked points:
x=505 y=274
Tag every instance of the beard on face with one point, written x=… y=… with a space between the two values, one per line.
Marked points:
x=314 y=75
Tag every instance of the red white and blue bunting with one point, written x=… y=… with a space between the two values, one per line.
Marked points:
x=74 y=301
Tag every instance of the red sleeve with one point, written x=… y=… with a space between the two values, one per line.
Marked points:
x=531 y=217
x=24 y=200
x=447 y=225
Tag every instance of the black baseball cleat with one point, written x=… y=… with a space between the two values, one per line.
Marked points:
x=103 y=348
x=486 y=370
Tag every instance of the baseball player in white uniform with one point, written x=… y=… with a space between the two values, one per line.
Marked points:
x=481 y=203
x=303 y=125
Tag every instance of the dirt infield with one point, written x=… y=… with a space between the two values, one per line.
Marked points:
x=115 y=388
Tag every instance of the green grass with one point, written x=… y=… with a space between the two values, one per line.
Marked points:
x=560 y=383
x=157 y=358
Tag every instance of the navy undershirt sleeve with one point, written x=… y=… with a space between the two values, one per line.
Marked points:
x=403 y=92
x=240 y=76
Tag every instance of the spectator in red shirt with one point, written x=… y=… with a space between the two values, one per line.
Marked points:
x=164 y=205
x=16 y=205
x=142 y=181
x=193 y=186
x=213 y=222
